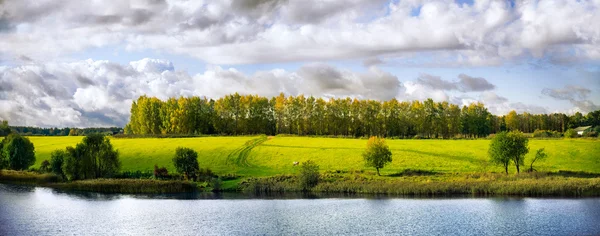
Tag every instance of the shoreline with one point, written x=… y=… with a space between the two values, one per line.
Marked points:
x=412 y=187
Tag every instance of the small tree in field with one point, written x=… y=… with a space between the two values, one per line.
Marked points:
x=508 y=147
x=309 y=175
x=377 y=154
x=539 y=155
x=186 y=162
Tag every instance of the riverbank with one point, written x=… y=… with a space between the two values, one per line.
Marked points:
x=409 y=183
x=125 y=186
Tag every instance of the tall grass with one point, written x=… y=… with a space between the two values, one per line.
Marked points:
x=26 y=177
x=130 y=186
x=531 y=185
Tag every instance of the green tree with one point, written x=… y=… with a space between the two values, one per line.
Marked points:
x=71 y=166
x=540 y=154
x=4 y=128
x=186 y=162
x=18 y=152
x=508 y=147
x=377 y=154
x=93 y=158
x=57 y=158
x=309 y=175
x=570 y=133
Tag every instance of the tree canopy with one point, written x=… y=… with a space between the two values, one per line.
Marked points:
x=300 y=115
x=186 y=162
x=377 y=154
x=508 y=147
x=93 y=158
x=17 y=152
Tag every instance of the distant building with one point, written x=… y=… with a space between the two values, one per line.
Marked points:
x=582 y=129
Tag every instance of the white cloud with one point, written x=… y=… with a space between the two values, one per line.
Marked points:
x=231 y=32
x=100 y=93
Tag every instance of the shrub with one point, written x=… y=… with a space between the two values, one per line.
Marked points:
x=186 y=162
x=570 y=133
x=309 y=175
x=45 y=166
x=590 y=134
x=205 y=174
x=546 y=134
x=161 y=173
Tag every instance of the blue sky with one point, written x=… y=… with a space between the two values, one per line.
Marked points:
x=68 y=64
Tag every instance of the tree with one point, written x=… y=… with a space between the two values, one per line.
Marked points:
x=4 y=128
x=186 y=162
x=18 y=151
x=71 y=166
x=57 y=158
x=377 y=154
x=540 y=154
x=512 y=120
x=93 y=158
x=309 y=175
x=506 y=147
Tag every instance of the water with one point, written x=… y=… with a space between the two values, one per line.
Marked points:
x=42 y=211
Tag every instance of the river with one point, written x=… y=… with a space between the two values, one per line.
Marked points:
x=28 y=210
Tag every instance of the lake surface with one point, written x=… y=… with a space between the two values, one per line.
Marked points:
x=42 y=211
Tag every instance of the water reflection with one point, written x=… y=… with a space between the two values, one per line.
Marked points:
x=26 y=210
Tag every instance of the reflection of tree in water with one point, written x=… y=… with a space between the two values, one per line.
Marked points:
x=12 y=188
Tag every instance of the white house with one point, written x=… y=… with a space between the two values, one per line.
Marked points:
x=582 y=129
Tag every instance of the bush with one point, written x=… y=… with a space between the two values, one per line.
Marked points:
x=546 y=134
x=570 y=133
x=186 y=162
x=205 y=174
x=45 y=166
x=590 y=134
x=161 y=173
x=216 y=184
x=309 y=175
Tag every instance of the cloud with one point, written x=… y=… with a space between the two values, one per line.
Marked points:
x=473 y=84
x=464 y=84
x=578 y=96
x=260 y=31
x=100 y=93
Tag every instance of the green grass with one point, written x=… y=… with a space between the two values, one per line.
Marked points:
x=262 y=156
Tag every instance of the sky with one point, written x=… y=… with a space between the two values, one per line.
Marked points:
x=72 y=63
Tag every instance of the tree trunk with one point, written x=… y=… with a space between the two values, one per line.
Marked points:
x=377 y=171
x=517 y=164
x=506 y=168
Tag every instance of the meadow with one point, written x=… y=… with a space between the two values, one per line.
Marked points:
x=258 y=156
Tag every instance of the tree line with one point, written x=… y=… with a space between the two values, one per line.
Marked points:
x=38 y=131
x=237 y=114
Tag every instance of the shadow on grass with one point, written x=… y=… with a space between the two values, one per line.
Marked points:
x=578 y=174
x=411 y=172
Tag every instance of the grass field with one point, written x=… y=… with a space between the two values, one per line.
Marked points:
x=266 y=156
